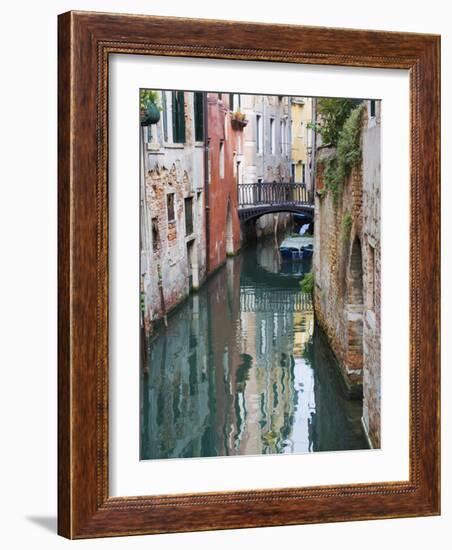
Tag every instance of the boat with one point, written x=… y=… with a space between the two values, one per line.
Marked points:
x=297 y=248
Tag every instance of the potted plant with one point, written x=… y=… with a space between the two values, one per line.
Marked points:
x=238 y=120
x=149 y=107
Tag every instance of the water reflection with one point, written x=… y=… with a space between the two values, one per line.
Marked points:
x=240 y=370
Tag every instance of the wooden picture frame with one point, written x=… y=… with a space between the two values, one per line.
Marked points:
x=86 y=40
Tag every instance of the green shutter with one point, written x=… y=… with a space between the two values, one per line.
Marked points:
x=178 y=117
x=181 y=117
x=174 y=114
x=199 y=116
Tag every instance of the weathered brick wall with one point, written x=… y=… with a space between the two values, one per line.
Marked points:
x=347 y=272
x=337 y=310
x=169 y=263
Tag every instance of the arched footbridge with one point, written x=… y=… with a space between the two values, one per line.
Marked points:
x=257 y=199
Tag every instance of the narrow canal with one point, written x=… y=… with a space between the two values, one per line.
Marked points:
x=241 y=369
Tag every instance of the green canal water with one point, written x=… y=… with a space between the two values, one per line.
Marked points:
x=241 y=369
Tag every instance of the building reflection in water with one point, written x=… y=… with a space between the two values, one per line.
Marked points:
x=240 y=370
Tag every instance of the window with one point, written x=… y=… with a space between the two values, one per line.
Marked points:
x=272 y=136
x=259 y=134
x=234 y=102
x=178 y=117
x=199 y=115
x=221 y=159
x=189 y=215
x=155 y=235
x=170 y=207
x=303 y=172
x=292 y=171
x=372 y=107
x=281 y=138
x=239 y=173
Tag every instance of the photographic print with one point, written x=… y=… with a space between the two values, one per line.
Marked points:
x=259 y=274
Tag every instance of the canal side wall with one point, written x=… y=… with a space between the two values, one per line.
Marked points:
x=346 y=266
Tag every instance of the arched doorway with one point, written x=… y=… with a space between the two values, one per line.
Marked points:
x=355 y=307
x=355 y=287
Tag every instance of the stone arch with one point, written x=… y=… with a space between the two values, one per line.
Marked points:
x=253 y=214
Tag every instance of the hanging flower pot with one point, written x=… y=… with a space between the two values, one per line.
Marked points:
x=150 y=114
x=238 y=120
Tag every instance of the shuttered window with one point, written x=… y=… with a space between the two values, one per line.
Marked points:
x=199 y=116
x=188 y=215
x=258 y=134
x=178 y=117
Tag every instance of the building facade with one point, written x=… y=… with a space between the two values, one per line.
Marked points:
x=225 y=157
x=173 y=241
x=267 y=148
x=302 y=140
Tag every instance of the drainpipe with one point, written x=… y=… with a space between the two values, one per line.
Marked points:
x=206 y=181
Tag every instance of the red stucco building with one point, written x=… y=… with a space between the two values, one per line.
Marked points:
x=225 y=146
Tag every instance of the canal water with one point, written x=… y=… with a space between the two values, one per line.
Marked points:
x=241 y=369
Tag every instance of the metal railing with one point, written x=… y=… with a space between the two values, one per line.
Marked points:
x=272 y=194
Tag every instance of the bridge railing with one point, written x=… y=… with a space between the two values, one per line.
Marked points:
x=271 y=193
x=282 y=301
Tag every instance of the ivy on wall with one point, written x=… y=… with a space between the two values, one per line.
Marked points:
x=340 y=127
